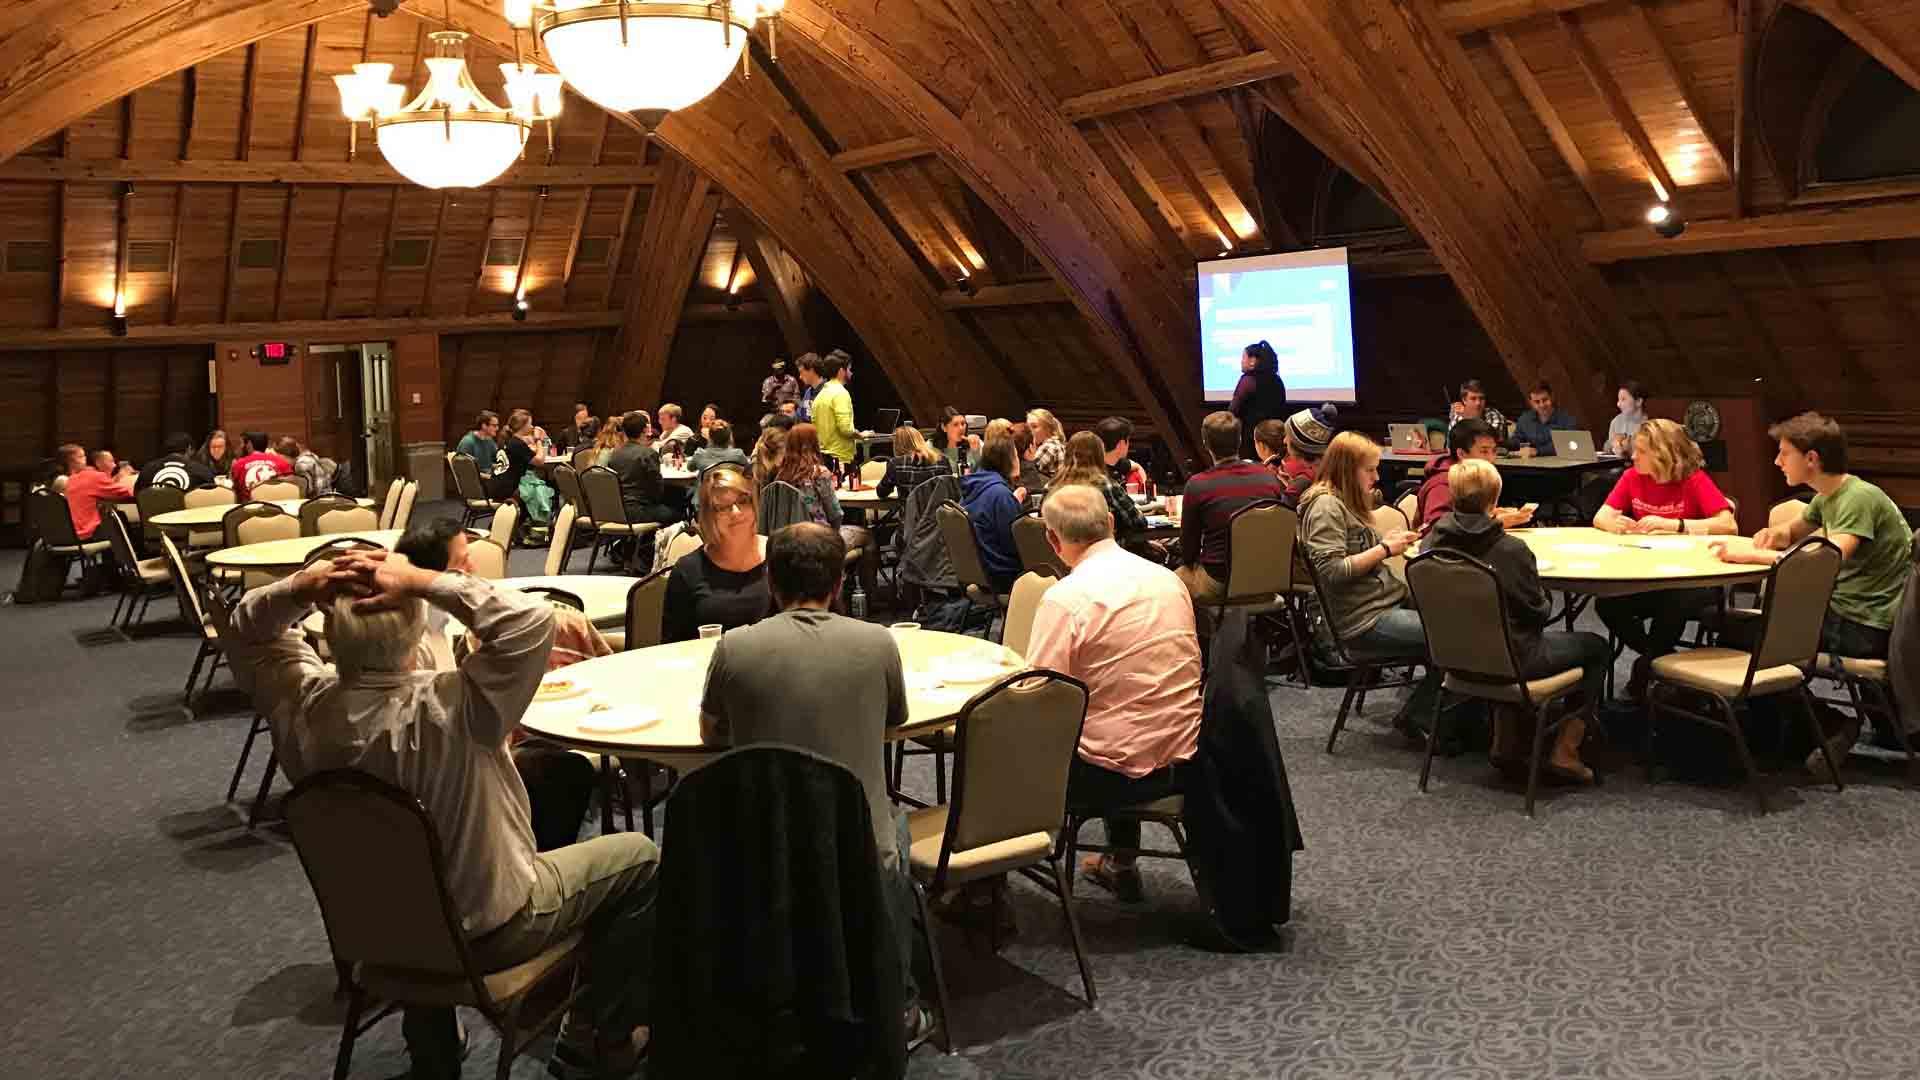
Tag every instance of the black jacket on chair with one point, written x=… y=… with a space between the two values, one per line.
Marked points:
x=774 y=952
x=1239 y=808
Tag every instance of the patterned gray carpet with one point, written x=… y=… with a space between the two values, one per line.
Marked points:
x=1629 y=931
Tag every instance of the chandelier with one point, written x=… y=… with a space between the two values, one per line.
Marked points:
x=451 y=135
x=645 y=57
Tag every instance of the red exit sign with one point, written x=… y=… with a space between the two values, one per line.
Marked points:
x=273 y=352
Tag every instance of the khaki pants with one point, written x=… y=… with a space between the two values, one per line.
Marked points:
x=1207 y=590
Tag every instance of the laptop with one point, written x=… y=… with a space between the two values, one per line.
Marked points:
x=1408 y=438
x=1573 y=445
x=885 y=420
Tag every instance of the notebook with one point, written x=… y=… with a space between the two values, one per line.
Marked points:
x=1573 y=445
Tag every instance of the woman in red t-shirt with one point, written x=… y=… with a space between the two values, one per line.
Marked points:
x=1667 y=491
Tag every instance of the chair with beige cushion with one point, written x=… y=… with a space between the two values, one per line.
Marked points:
x=154 y=500
x=646 y=614
x=1036 y=555
x=1022 y=607
x=586 y=458
x=560 y=544
x=1469 y=637
x=403 y=941
x=872 y=473
x=600 y=486
x=963 y=550
x=1409 y=505
x=53 y=525
x=312 y=510
x=505 y=521
x=1870 y=694
x=140 y=579
x=470 y=489
x=1014 y=743
x=1793 y=607
x=211 y=495
x=1360 y=667
x=403 y=517
x=487 y=559
x=193 y=611
x=276 y=491
x=1263 y=574
x=390 y=506
x=254 y=523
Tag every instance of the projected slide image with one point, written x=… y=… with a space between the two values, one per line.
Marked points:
x=1298 y=303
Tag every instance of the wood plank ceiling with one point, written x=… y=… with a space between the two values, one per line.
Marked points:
x=245 y=209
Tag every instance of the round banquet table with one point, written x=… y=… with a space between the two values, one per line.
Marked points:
x=286 y=556
x=210 y=517
x=676 y=477
x=1596 y=563
x=661 y=688
x=867 y=499
x=605 y=597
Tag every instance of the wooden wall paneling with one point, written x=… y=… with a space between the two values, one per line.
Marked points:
x=621 y=264
x=312 y=232
x=610 y=214
x=416 y=213
x=424 y=302
x=32 y=214
x=385 y=264
x=152 y=217
x=782 y=281
x=25 y=386
x=512 y=217
x=1688 y=361
x=1690 y=99
x=481 y=270
x=1393 y=77
x=549 y=251
x=1187 y=181
x=82 y=396
x=723 y=363
x=936 y=266
x=452 y=358
x=1515 y=63
x=89 y=253
x=457 y=255
x=1781 y=378
x=260 y=214
x=1211 y=151
x=202 y=261
x=1124 y=164
x=416 y=375
x=262 y=397
x=159 y=111
x=679 y=219
x=135 y=377
x=361 y=251
x=575 y=233
x=97 y=134
x=1786 y=265
x=333 y=252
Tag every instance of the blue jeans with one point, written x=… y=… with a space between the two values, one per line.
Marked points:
x=1399 y=633
x=1560 y=650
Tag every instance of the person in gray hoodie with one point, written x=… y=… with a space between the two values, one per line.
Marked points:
x=1471 y=530
x=1367 y=605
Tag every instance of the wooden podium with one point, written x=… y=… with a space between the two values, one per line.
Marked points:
x=1740 y=460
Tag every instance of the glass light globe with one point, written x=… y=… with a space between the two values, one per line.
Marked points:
x=669 y=61
x=435 y=154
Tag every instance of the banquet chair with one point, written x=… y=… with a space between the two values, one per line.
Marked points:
x=1261 y=572
x=684 y=543
x=1360 y=667
x=1036 y=555
x=211 y=495
x=1409 y=505
x=560 y=544
x=585 y=458
x=566 y=481
x=403 y=941
x=1388 y=519
x=191 y=598
x=1870 y=694
x=281 y=490
x=1792 y=609
x=1464 y=615
x=333 y=510
x=390 y=505
x=968 y=570
x=140 y=579
x=487 y=559
x=154 y=500
x=253 y=522
x=403 y=516
x=220 y=618
x=1023 y=604
x=601 y=487
x=470 y=489
x=780 y=506
x=1013 y=745
x=644 y=628
x=506 y=522
x=872 y=473
x=53 y=526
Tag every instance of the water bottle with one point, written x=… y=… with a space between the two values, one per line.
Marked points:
x=857 y=603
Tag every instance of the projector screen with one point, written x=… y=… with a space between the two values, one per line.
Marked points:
x=1298 y=302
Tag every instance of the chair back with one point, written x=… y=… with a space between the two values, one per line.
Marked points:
x=500 y=529
x=1388 y=519
x=258 y=522
x=962 y=548
x=1260 y=542
x=1028 y=591
x=1784 y=512
x=1795 y=605
x=488 y=559
x=350 y=828
x=647 y=611
x=122 y=541
x=211 y=495
x=185 y=590
x=390 y=506
x=466 y=477
x=1409 y=505
x=403 y=516
x=601 y=488
x=585 y=458
x=566 y=481
x=1014 y=743
x=337 y=547
x=280 y=490
x=1464 y=616
x=560 y=544
x=1036 y=555
x=311 y=510
x=352 y=519
x=780 y=506
x=558 y=597
x=684 y=543
x=157 y=499
x=872 y=473
x=52 y=521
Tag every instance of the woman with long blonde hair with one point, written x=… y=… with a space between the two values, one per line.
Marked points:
x=768 y=453
x=1667 y=491
x=1049 y=442
x=611 y=438
x=913 y=463
x=1366 y=604
x=724 y=581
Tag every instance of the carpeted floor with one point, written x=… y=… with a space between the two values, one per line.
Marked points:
x=1629 y=931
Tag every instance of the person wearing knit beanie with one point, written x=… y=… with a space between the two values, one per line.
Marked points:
x=1310 y=430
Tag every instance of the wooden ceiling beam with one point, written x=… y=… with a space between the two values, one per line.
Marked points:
x=617 y=252
x=1549 y=116
x=1890 y=56
x=1620 y=109
x=782 y=281
x=1793 y=228
x=672 y=238
x=367 y=171
x=1098 y=104
x=1174 y=236
x=1020 y=294
x=1689 y=97
x=1743 y=29
x=1466 y=16
x=1196 y=188
x=304 y=330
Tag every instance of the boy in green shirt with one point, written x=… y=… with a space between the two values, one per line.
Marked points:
x=832 y=407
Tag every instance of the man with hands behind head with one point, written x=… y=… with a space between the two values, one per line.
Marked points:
x=443 y=736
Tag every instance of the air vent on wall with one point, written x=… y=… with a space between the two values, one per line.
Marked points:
x=410 y=252
x=29 y=257
x=149 y=257
x=593 y=251
x=505 y=250
x=260 y=254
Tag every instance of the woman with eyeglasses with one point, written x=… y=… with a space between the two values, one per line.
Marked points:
x=725 y=581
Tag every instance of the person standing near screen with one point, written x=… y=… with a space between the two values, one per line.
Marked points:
x=1260 y=395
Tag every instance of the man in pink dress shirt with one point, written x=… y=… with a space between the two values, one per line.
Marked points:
x=1124 y=626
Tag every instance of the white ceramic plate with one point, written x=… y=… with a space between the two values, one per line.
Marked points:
x=617 y=720
x=553 y=690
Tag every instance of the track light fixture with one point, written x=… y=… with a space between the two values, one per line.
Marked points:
x=965 y=284
x=520 y=309
x=1664 y=221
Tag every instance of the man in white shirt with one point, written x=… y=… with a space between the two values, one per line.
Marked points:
x=1125 y=627
x=671 y=429
x=444 y=736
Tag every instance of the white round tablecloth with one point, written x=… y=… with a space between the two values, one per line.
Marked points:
x=1600 y=563
x=289 y=554
x=210 y=517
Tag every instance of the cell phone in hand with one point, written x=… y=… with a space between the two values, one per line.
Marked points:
x=1530 y=507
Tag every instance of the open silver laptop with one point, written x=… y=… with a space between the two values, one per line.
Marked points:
x=1411 y=438
x=1573 y=445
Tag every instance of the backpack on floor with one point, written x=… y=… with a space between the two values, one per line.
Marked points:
x=43 y=577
